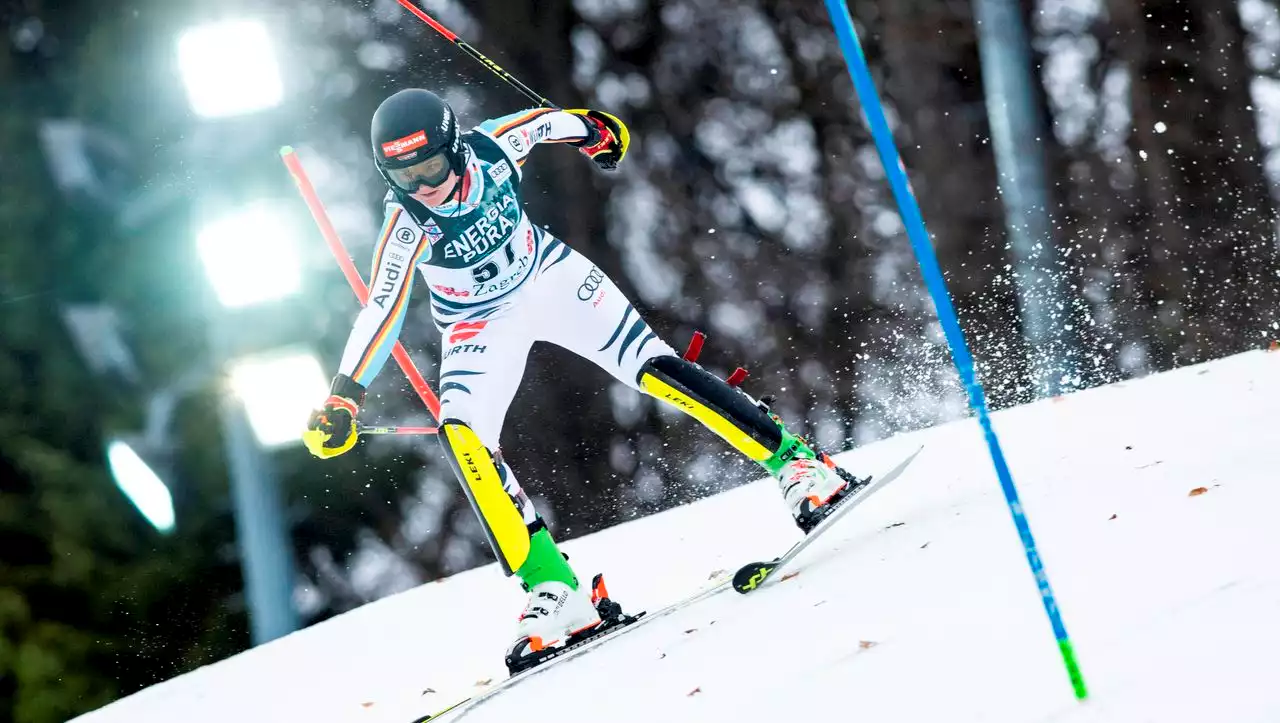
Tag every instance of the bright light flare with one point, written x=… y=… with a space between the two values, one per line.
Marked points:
x=279 y=391
x=229 y=68
x=251 y=256
x=141 y=485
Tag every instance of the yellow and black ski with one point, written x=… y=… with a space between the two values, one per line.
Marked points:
x=753 y=576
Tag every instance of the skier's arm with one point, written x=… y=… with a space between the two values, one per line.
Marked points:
x=401 y=246
x=331 y=430
x=601 y=136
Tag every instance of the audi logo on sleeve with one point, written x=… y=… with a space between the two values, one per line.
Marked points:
x=591 y=284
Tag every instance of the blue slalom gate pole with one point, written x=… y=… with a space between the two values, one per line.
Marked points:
x=923 y=248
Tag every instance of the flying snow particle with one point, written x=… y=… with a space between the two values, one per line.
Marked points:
x=1142 y=155
x=1161 y=127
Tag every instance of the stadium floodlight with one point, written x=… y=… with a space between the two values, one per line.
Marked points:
x=229 y=68
x=278 y=391
x=251 y=256
x=141 y=485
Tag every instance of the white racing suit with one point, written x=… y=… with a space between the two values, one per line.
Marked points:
x=497 y=283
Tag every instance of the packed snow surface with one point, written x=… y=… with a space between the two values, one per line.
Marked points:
x=1154 y=503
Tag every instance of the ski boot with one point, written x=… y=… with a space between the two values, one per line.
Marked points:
x=558 y=617
x=812 y=484
x=560 y=613
x=554 y=613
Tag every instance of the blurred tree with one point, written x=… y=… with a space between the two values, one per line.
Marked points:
x=933 y=74
x=1168 y=212
x=1204 y=206
x=93 y=603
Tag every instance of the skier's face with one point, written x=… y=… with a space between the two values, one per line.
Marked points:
x=430 y=171
x=437 y=195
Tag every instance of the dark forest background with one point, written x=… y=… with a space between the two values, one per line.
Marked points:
x=752 y=206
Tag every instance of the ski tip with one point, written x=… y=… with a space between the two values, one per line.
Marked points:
x=752 y=576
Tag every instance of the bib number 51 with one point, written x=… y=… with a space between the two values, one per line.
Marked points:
x=490 y=270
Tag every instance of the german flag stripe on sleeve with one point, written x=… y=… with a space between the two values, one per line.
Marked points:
x=384 y=336
x=521 y=120
x=387 y=229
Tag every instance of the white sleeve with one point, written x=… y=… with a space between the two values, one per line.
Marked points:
x=518 y=133
x=401 y=246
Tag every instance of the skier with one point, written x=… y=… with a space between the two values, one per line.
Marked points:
x=497 y=283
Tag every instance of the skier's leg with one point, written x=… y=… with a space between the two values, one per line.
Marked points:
x=591 y=317
x=809 y=480
x=582 y=310
x=479 y=375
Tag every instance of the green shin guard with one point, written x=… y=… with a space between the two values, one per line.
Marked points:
x=545 y=563
x=792 y=447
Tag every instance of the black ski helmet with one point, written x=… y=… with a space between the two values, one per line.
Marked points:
x=416 y=140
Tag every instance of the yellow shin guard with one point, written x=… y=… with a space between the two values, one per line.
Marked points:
x=721 y=408
x=498 y=514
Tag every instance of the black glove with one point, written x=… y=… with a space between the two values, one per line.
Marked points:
x=331 y=430
x=607 y=138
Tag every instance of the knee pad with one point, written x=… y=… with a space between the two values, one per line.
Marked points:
x=727 y=411
x=482 y=482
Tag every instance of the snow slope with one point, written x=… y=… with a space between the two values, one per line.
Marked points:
x=918 y=607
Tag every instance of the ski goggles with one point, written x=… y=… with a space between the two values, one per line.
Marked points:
x=431 y=171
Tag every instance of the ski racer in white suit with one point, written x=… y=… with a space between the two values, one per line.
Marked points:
x=497 y=283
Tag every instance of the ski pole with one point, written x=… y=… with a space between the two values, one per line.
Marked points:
x=466 y=47
x=340 y=254
x=370 y=429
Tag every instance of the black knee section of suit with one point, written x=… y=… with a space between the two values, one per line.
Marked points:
x=715 y=393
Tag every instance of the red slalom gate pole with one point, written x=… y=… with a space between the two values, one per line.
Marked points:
x=419 y=384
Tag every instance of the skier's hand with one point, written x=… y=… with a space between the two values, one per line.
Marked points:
x=331 y=430
x=607 y=138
